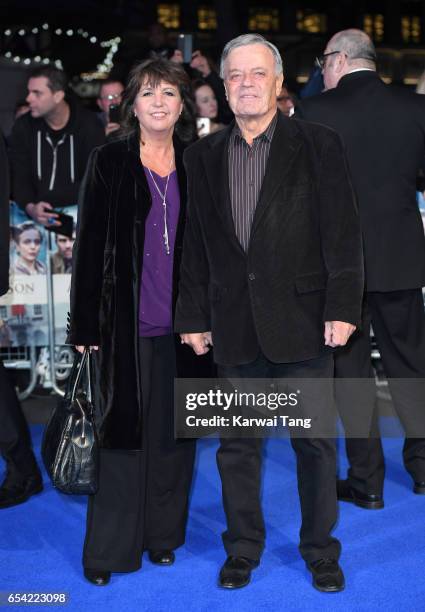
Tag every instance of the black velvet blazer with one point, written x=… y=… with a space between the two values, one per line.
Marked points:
x=304 y=263
x=107 y=264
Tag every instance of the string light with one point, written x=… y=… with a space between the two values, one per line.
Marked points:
x=102 y=69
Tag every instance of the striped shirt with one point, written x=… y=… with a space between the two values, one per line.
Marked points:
x=247 y=166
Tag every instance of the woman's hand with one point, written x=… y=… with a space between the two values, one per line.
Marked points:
x=80 y=348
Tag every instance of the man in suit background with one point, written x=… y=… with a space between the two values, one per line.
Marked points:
x=383 y=129
x=272 y=274
x=23 y=477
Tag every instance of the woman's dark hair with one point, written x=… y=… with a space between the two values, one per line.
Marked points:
x=17 y=230
x=153 y=72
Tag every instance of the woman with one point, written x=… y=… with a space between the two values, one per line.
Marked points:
x=28 y=239
x=124 y=284
x=206 y=107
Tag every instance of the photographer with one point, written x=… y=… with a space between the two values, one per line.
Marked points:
x=109 y=99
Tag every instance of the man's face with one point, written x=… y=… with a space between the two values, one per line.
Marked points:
x=41 y=99
x=65 y=245
x=110 y=93
x=285 y=103
x=251 y=81
x=331 y=70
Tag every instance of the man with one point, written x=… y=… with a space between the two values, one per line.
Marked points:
x=23 y=477
x=272 y=275
x=50 y=146
x=285 y=102
x=61 y=261
x=383 y=129
x=110 y=94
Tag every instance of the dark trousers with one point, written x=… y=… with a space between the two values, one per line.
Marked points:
x=239 y=462
x=142 y=501
x=15 y=440
x=398 y=321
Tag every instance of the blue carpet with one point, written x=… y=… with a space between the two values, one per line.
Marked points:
x=383 y=551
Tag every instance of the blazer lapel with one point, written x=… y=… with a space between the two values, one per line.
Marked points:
x=216 y=164
x=283 y=150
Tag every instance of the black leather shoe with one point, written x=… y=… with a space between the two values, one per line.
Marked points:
x=162 y=557
x=97 y=577
x=364 y=500
x=419 y=488
x=236 y=572
x=327 y=575
x=14 y=492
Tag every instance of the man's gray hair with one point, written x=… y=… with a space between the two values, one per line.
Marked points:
x=251 y=39
x=356 y=44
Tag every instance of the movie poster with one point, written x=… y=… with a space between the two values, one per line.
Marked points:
x=24 y=309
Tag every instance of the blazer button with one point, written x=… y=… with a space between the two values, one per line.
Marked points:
x=251 y=276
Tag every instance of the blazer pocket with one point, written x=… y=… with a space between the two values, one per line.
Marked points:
x=310 y=282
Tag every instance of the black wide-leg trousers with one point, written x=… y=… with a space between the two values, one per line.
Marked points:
x=398 y=321
x=142 y=501
x=15 y=439
x=239 y=461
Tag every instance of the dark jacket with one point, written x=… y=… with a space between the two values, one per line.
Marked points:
x=4 y=219
x=383 y=129
x=35 y=176
x=107 y=266
x=304 y=263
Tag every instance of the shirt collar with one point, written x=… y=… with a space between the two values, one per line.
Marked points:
x=236 y=134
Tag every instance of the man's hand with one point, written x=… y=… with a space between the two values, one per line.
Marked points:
x=200 y=62
x=81 y=348
x=199 y=342
x=337 y=333
x=40 y=213
x=111 y=127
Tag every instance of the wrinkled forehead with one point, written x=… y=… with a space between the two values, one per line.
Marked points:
x=249 y=57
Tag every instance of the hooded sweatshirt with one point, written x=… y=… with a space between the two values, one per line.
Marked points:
x=48 y=165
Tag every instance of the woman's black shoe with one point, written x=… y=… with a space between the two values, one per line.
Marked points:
x=97 y=577
x=161 y=557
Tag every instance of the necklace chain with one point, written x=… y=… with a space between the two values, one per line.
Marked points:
x=163 y=197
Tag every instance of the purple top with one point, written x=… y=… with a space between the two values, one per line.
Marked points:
x=156 y=287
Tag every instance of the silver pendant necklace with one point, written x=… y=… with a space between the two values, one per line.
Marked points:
x=163 y=197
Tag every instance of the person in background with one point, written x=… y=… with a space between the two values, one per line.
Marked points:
x=50 y=146
x=126 y=264
x=27 y=238
x=285 y=102
x=383 y=129
x=22 y=478
x=206 y=107
x=110 y=94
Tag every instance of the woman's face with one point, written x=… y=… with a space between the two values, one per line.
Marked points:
x=206 y=102
x=158 y=108
x=28 y=245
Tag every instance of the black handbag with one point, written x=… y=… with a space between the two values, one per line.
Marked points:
x=70 y=448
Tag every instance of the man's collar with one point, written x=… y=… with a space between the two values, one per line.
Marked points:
x=361 y=70
x=266 y=135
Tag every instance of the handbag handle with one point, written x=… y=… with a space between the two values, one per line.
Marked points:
x=85 y=361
